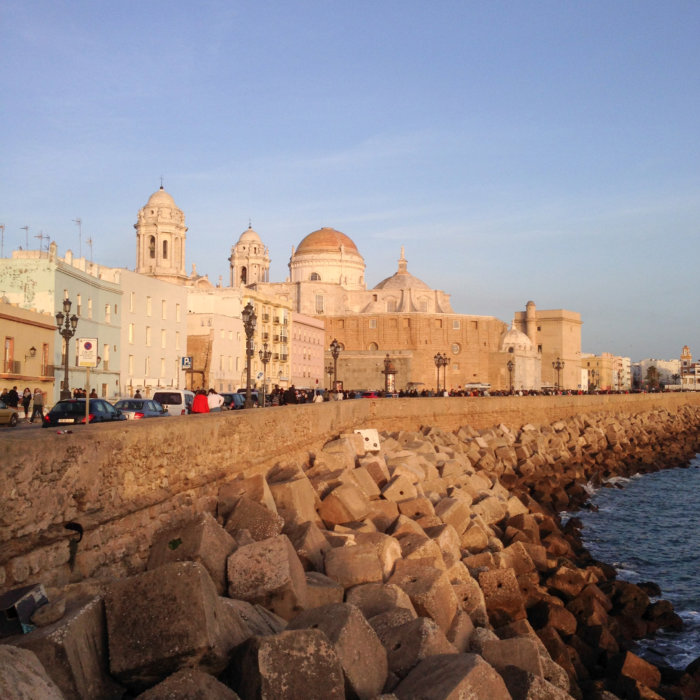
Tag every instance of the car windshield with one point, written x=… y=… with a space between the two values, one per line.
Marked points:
x=132 y=405
x=69 y=408
x=168 y=397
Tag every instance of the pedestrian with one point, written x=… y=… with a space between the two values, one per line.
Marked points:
x=318 y=398
x=200 y=403
x=38 y=407
x=93 y=394
x=215 y=401
x=137 y=395
x=12 y=398
x=3 y=395
x=26 y=400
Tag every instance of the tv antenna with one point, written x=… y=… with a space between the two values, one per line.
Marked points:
x=80 y=236
x=89 y=243
x=2 y=240
x=26 y=232
x=41 y=236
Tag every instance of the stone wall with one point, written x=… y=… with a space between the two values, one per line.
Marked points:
x=122 y=483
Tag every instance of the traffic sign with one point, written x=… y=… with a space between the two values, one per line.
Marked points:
x=187 y=362
x=87 y=352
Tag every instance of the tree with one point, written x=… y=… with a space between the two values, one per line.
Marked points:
x=652 y=377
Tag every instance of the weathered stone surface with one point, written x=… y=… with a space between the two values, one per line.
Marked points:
x=73 y=651
x=415 y=508
x=166 y=619
x=452 y=677
x=470 y=599
x=429 y=589
x=460 y=631
x=270 y=573
x=321 y=590
x=344 y=504
x=361 y=654
x=491 y=509
x=310 y=544
x=287 y=666
x=252 y=619
x=502 y=596
x=399 y=488
x=259 y=520
x=523 y=685
x=254 y=487
x=375 y=598
x=448 y=540
x=49 y=613
x=455 y=512
x=189 y=684
x=22 y=677
x=201 y=540
x=376 y=467
x=295 y=500
x=421 y=547
x=388 y=549
x=351 y=566
x=517 y=651
x=631 y=666
x=383 y=514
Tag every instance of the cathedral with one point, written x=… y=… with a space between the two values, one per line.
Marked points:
x=401 y=317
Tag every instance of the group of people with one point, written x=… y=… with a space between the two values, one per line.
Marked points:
x=207 y=402
x=13 y=399
x=82 y=394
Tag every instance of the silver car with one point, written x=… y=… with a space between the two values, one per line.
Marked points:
x=135 y=409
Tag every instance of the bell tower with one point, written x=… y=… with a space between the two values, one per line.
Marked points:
x=160 y=239
x=250 y=260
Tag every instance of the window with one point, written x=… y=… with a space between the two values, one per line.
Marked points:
x=539 y=349
x=163 y=339
x=391 y=305
x=373 y=323
x=177 y=340
x=9 y=354
x=163 y=309
x=44 y=359
x=373 y=346
x=147 y=365
x=152 y=247
x=148 y=306
x=89 y=308
x=131 y=364
x=105 y=356
x=438 y=323
x=456 y=348
x=165 y=251
x=108 y=313
x=423 y=305
x=455 y=325
x=319 y=303
x=148 y=336
x=132 y=298
x=162 y=366
x=177 y=312
x=79 y=305
x=131 y=332
x=315 y=277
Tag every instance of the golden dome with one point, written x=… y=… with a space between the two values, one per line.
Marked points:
x=326 y=239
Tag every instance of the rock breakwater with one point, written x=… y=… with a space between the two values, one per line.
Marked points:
x=436 y=566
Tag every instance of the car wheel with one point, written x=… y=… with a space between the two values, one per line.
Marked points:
x=13 y=420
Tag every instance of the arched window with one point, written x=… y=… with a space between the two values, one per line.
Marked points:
x=373 y=346
x=244 y=275
x=315 y=277
x=152 y=247
x=165 y=250
x=391 y=305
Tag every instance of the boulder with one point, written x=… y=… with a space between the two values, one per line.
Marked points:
x=361 y=654
x=321 y=590
x=350 y=566
x=269 y=573
x=201 y=540
x=452 y=677
x=189 y=684
x=310 y=544
x=295 y=500
x=521 y=652
x=345 y=503
x=22 y=677
x=254 y=487
x=523 y=685
x=502 y=596
x=375 y=598
x=287 y=666
x=259 y=520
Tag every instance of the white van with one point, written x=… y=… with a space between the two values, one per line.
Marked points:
x=178 y=402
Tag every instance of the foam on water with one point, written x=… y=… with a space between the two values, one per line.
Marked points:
x=649 y=530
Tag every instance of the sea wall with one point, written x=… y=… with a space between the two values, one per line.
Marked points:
x=122 y=483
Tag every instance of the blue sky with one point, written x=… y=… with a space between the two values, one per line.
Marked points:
x=540 y=150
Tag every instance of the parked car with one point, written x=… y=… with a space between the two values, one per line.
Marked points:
x=253 y=395
x=233 y=402
x=72 y=412
x=8 y=415
x=178 y=402
x=135 y=409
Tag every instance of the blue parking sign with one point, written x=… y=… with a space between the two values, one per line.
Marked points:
x=187 y=362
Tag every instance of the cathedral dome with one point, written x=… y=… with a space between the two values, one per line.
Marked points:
x=402 y=280
x=326 y=240
x=161 y=198
x=515 y=340
x=250 y=236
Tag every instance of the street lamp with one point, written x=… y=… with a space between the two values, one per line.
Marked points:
x=329 y=372
x=335 y=351
x=389 y=375
x=510 y=365
x=265 y=356
x=66 y=328
x=558 y=365
x=441 y=361
x=249 y=320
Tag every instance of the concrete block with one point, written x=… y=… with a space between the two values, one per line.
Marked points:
x=370 y=439
x=388 y=549
x=389 y=620
x=414 y=546
x=460 y=631
x=455 y=512
x=344 y=504
x=383 y=514
x=296 y=500
x=376 y=467
x=189 y=684
x=491 y=508
x=350 y=566
x=254 y=487
x=365 y=482
x=504 y=603
x=253 y=619
x=475 y=538
x=470 y=599
x=405 y=525
x=416 y=508
x=521 y=652
x=399 y=488
x=361 y=654
x=269 y=573
x=310 y=544
x=73 y=650
x=321 y=590
x=200 y=540
x=287 y=666
x=446 y=537
x=250 y=515
x=166 y=619
x=429 y=589
x=528 y=686
x=452 y=677
x=22 y=677
x=411 y=642
x=516 y=557
x=375 y=598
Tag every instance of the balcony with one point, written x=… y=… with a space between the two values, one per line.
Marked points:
x=266 y=336
x=284 y=357
x=275 y=356
x=266 y=318
x=276 y=320
x=12 y=367
x=276 y=338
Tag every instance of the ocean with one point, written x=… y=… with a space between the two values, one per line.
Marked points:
x=648 y=528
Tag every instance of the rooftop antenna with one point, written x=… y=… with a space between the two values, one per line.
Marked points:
x=2 y=240
x=41 y=237
x=26 y=231
x=80 y=236
x=161 y=182
x=89 y=242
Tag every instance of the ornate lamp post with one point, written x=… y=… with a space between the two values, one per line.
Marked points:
x=265 y=356
x=558 y=365
x=389 y=375
x=66 y=328
x=249 y=320
x=329 y=372
x=440 y=361
x=335 y=351
x=511 y=366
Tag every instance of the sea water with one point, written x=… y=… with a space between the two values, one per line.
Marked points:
x=648 y=528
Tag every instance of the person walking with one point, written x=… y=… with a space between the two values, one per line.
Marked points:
x=38 y=407
x=26 y=400
x=12 y=398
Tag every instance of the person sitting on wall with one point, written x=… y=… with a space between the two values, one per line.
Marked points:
x=200 y=403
